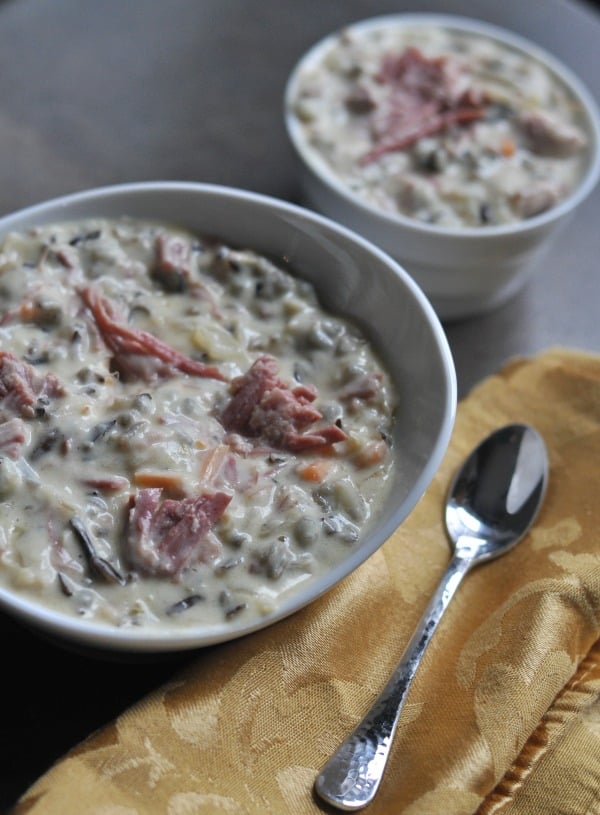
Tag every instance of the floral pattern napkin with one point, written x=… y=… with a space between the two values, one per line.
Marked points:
x=504 y=715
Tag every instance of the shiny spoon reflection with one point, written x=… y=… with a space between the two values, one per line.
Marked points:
x=492 y=502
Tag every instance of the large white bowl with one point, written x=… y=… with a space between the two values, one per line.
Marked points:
x=463 y=271
x=353 y=278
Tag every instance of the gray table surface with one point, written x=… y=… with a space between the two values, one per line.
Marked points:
x=96 y=92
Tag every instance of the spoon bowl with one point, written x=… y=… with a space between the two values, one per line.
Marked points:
x=496 y=494
x=492 y=502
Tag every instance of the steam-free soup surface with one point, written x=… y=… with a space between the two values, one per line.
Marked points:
x=186 y=435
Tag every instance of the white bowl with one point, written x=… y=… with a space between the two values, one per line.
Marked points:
x=463 y=270
x=353 y=278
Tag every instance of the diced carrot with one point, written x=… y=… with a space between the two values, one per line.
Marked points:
x=315 y=471
x=371 y=453
x=109 y=483
x=28 y=311
x=508 y=148
x=172 y=482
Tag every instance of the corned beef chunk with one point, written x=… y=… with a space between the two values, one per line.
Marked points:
x=265 y=408
x=166 y=536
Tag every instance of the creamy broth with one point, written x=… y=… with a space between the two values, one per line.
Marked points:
x=444 y=126
x=186 y=436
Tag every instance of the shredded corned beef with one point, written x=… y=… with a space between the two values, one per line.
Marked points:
x=265 y=408
x=22 y=387
x=138 y=353
x=173 y=262
x=165 y=536
x=364 y=386
x=173 y=253
x=13 y=435
x=425 y=97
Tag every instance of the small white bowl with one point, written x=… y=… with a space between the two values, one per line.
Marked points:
x=463 y=270
x=352 y=278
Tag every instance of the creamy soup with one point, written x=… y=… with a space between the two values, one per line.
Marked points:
x=442 y=125
x=185 y=434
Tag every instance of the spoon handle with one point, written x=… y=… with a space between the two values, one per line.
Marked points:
x=351 y=777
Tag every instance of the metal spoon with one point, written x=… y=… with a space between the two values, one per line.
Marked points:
x=491 y=504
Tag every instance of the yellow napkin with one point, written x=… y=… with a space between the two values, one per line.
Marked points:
x=504 y=714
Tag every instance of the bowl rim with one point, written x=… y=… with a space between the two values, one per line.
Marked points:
x=564 y=74
x=104 y=636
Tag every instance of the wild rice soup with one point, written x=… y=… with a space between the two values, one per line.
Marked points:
x=185 y=434
x=443 y=125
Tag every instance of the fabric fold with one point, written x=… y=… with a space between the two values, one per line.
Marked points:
x=504 y=706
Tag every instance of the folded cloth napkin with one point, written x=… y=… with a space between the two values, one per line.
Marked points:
x=504 y=714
